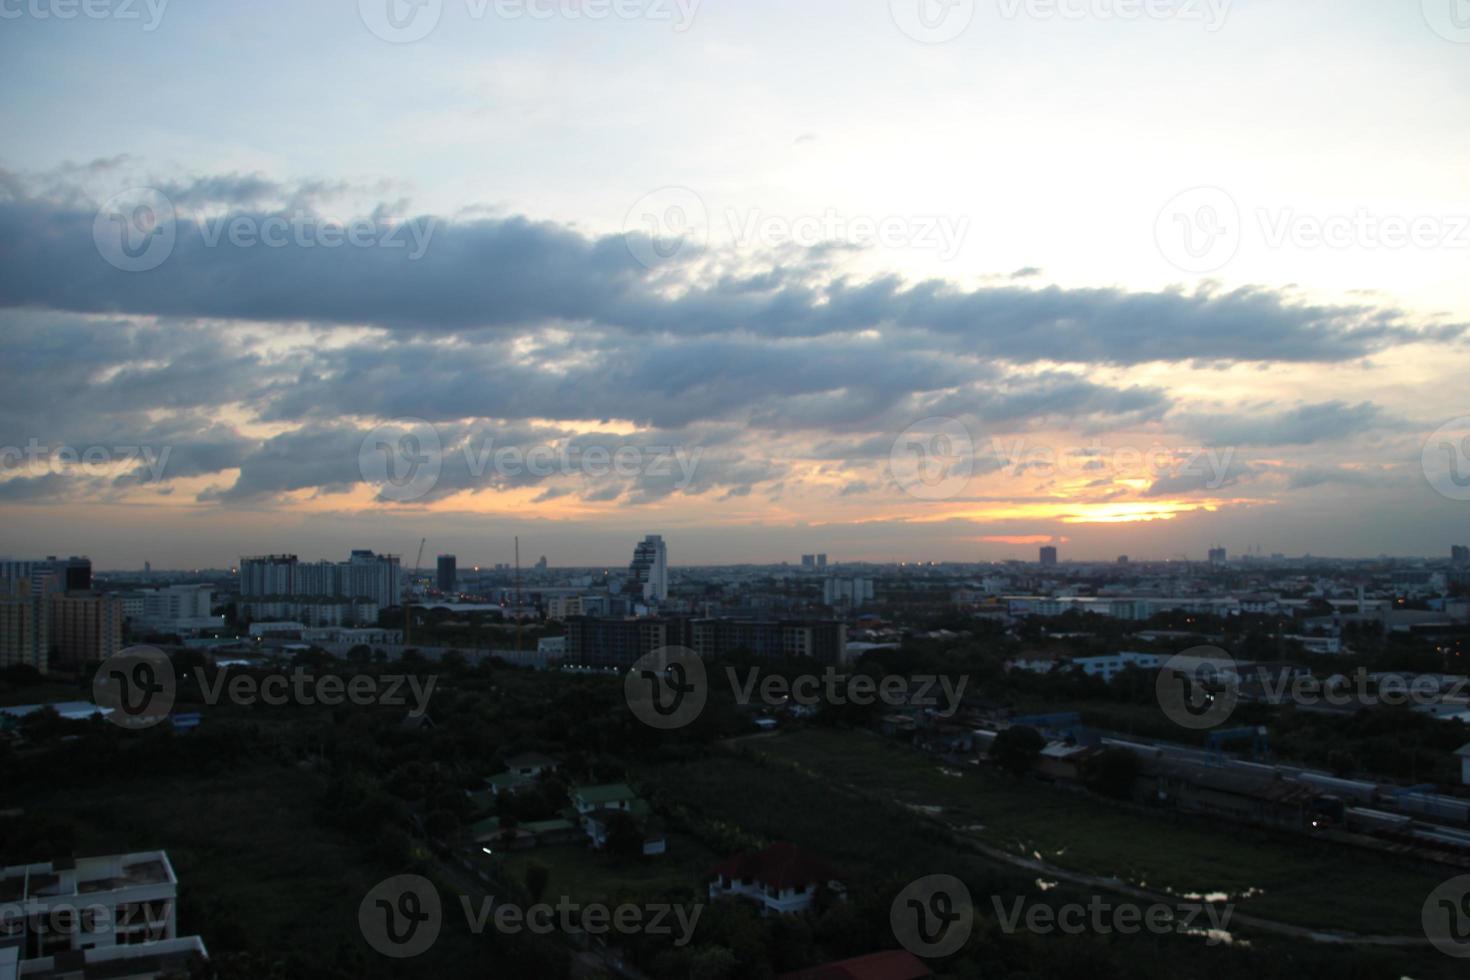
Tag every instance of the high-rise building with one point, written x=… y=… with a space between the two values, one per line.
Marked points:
x=1218 y=556
x=650 y=568
x=448 y=577
x=542 y=565
x=1460 y=554
x=1048 y=555
x=364 y=575
x=85 y=627
x=71 y=574
x=268 y=575
x=25 y=626
x=847 y=591
x=821 y=561
x=808 y=561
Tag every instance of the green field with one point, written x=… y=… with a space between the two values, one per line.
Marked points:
x=587 y=875
x=1273 y=875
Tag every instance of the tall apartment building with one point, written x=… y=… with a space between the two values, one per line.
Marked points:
x=1460 y=554
x=650 y=568
x=25 y=626
x=448 y=574
x=85 y=626
x=114 y=917
x=68 y=574
x=1048 y=556
x=268 y=575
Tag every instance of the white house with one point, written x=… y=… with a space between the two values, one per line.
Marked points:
x=781 y=879
x=58 y=909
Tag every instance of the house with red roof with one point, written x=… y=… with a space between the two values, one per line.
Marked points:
x=892 y=964
x=782 y=879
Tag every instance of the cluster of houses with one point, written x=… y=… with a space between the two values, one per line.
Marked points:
x=587 y=820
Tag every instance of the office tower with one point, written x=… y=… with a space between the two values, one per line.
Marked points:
x=808 y=561
x=1218 y=556
x=821 y=561
x=1460 y=554
x=650 y=568
x=1048 y=555
x=448 y=577
x=541 y=565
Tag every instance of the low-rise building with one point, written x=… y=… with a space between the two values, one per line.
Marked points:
x=781 y=879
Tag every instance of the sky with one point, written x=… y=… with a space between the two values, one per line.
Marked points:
x=886 y=279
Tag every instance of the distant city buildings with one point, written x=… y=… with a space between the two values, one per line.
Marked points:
x=650 y=568
x=847 y=591
x=1219 y=556
x=364 y=575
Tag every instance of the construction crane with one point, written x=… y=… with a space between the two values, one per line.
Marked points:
x=408 y=594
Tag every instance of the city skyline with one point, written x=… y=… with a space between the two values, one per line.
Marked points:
x=1243 y=341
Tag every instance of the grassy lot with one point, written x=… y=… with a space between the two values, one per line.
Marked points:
x=1279 y=876
x=587 y=875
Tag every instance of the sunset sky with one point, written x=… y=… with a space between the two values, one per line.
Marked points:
x=1157 y=282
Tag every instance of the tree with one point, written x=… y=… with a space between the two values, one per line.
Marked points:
x=1017 y=748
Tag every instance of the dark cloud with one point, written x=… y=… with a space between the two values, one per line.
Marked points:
x=1298 y=426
